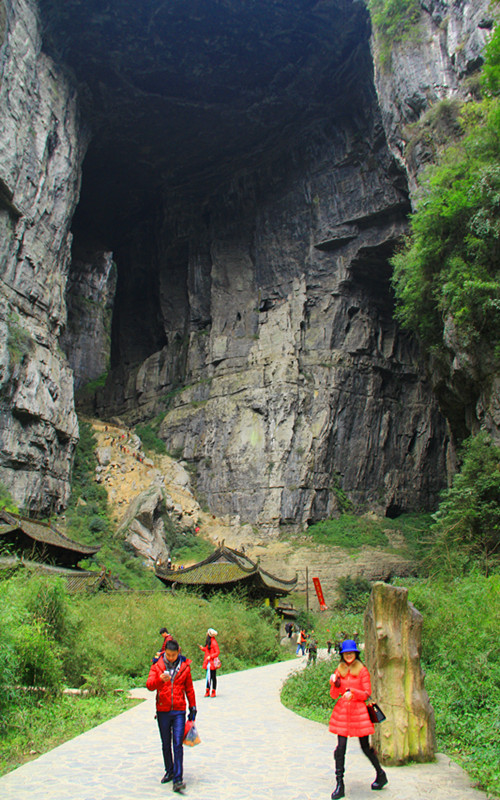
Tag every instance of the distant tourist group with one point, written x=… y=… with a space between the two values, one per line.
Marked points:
x=170 y=676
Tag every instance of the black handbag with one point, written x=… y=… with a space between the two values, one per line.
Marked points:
x=375 y=712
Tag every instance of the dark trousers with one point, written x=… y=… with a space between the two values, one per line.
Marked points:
x=339 y=754
x=171 y=725
x=212 y=679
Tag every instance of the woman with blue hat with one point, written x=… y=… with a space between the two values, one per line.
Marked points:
x=352 y=685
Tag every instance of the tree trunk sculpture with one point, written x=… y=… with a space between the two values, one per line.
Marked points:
x=393 y=629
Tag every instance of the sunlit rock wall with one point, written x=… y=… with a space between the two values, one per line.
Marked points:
x=41 y=149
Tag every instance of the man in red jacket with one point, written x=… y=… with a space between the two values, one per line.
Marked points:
x=171 y=678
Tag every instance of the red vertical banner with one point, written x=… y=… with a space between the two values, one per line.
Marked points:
x=319 y=594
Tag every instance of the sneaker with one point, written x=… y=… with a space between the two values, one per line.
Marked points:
x=207 y=693
x=167 y=777
x=213 y=692
x=179 y=786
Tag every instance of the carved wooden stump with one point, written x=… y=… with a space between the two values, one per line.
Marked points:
x=393 y=629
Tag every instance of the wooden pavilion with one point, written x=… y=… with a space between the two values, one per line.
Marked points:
x=226 y=569
x=39 y=546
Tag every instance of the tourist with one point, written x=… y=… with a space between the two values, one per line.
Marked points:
x=171 y=678
x=211 y=661
x=301 y=642
x=312 y=647
x=351 y=684
x=167 y=637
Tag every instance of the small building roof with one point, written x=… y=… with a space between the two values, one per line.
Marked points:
x=20 y=532
x=227 y=568
x=77 y=580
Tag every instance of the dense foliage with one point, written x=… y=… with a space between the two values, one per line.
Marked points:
x=447 y=277
x=461 y=661
x=467 y=530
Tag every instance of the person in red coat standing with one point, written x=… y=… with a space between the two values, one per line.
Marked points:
x=211 y=660
x=171 y=678
x=352 y=685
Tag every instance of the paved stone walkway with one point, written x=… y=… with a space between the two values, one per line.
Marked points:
x=252 y=749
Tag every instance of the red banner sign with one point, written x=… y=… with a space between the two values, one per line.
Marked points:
x=319 y=594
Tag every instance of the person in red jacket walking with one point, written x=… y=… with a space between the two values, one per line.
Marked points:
x=211 y=661
x=352 y=685
x=171 y=678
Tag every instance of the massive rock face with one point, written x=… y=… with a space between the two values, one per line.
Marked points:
x=238 y=174
x=42 y=145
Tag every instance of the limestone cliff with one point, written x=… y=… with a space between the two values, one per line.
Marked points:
x=246 y=178
x=41 y=150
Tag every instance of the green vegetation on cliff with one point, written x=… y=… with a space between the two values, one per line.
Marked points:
x=447 y=277
x=393 y=21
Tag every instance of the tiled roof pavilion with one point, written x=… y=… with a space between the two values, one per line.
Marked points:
x=40 y=541
x=227 y=569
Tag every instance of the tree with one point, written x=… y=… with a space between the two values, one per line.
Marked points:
x=467 y=527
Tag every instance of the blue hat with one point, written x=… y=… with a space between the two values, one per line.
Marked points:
x=349 y=646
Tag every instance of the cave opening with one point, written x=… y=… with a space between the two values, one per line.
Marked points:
x=192 y=111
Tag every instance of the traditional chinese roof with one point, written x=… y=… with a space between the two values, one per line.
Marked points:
x=77 y=580
x=227 y=568
x=43 y=541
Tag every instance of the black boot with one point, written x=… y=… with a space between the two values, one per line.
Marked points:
x=339 y=790
x=380 y=779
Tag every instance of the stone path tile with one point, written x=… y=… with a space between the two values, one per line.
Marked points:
x=252 y=749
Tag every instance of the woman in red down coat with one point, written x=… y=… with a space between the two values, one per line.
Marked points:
x=351 y=684
x=211 y=661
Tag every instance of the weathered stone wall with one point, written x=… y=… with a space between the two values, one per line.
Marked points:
x=393 y=635
x=41 y=148
x=90 y=295
x=301 y=389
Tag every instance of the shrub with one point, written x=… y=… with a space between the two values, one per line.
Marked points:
x=6 y=500
x=467 y=528
x=394 y=21
x=353 y=593
x=148 y=434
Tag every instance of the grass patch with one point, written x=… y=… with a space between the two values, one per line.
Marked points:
x=38 y=725
x=353 y=532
